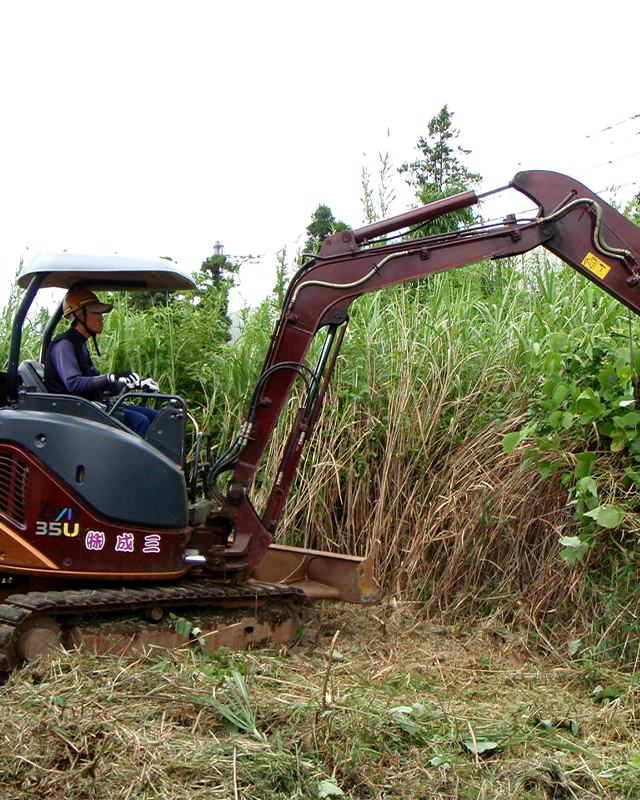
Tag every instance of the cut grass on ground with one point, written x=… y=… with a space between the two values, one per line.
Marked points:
x=403 y=709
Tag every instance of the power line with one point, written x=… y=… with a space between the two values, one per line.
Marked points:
x=611 y=127
x=622 y=186
x=606 y=163
x=529 y=211
x=609 y=162
x=618 y=140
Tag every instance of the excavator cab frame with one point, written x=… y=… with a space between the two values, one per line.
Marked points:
x=112 y=273
x=74 y=271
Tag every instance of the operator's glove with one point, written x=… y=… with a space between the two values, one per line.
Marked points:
x=149 y=385
x=124 y=380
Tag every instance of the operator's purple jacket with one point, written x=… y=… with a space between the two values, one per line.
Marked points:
x=63 y=359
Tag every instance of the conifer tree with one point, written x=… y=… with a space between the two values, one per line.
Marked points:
x=439 y=172
x=322 y=224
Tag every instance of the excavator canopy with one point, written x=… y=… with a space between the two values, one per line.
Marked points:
x=106 y=272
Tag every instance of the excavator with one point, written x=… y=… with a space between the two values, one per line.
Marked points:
x=99 y=526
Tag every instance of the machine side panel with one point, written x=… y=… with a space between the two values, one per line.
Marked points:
x=114 y=472
x=46 y=529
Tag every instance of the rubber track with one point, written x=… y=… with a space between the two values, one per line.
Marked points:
x=20 y=608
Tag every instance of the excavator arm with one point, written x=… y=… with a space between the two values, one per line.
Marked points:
x=572 y=222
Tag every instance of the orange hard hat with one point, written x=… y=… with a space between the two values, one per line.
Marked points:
x=83 y=298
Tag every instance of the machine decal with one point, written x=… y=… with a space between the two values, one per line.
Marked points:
x=94 y=540
x=125 y=543
x=56 y=528
x=596 y=265
x=56 y=513
x=151 y=544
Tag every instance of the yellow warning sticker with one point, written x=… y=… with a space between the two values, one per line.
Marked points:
x=596 y=265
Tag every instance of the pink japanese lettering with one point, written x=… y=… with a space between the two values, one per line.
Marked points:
x=125 y=543
x=94 y=540
x=151 y=544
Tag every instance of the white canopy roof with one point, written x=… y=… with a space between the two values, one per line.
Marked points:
x=105 y=272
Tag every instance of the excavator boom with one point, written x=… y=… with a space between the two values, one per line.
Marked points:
x=572 y=222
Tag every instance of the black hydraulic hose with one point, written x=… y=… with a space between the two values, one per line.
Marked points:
x=293 y=365
x=313 y=395
x=598 y=242
x=230 y=457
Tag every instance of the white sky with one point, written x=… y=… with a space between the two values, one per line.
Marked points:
x=158 y=127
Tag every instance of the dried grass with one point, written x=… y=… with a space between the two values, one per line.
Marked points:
x=406 y=709
x=463 y=528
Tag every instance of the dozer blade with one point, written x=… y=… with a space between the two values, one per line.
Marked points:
x=320 y=575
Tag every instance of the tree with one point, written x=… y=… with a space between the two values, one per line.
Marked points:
x=215 y=267
x=215 y=281
x=632 y=210
x=440 y=173
x=143 y=301
x=322 y=224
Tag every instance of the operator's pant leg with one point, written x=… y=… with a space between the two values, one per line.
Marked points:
x=139 y=418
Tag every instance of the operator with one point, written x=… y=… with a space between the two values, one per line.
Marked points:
x=68 y=368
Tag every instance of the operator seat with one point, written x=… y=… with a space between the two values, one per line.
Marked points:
x=32 y=379
x=166 y=433
x=32 y=376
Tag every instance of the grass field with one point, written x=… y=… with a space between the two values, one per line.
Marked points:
x=383 y=704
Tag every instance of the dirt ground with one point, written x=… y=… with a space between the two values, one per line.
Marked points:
x=381 y=704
